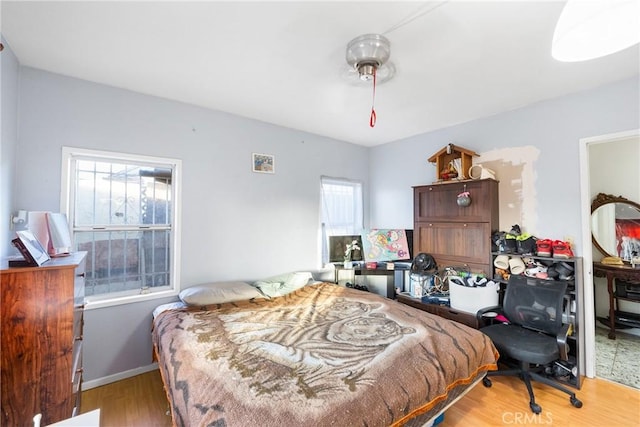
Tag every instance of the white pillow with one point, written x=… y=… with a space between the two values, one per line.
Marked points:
x=284 y=284
x=219 y=292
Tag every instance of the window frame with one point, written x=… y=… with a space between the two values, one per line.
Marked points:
x=357 y=226
x=69 y=156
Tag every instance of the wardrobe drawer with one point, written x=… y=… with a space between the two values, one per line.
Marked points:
x=468 y=243
x=438 y=202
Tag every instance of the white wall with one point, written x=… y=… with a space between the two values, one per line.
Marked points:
x=615 y=168
x=9 y=69
x=534 y=150
x=236 y=224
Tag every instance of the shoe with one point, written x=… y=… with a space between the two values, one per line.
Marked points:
x=552 y=273
x=539 y=271
x=562 y=249
x=565 y=270
x=526 y=244
x=510 y=243
x=501 y=274
x=497 y=241
x=543 y=247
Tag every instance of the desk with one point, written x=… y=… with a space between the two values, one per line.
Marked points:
x=390 y=274
x=611 y=272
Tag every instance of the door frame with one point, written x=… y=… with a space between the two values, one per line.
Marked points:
x=588 y=302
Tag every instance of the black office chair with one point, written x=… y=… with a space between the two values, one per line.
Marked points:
x=535 y=338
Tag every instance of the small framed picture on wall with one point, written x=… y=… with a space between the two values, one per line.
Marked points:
x=263 y=163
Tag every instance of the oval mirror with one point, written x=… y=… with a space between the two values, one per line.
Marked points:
x=615 y=226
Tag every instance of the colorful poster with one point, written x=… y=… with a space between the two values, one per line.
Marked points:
x=385 y=245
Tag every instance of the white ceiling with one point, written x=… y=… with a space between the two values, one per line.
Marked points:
x=284 y=62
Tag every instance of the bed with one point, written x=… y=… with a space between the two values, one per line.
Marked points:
x=321 y=355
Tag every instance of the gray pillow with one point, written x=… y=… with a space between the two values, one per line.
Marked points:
x=218 y=292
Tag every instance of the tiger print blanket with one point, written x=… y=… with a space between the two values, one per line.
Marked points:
x=323 y=355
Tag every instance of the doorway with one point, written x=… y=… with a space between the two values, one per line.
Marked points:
x=601 y=171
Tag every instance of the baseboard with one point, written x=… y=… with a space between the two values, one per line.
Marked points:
x=86 y=385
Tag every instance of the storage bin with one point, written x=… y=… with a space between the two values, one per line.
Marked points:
x=472 y=299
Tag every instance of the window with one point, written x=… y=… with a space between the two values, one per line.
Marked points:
x=122 y=210
x=342 y=212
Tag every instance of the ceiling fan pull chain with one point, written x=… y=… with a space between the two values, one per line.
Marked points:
x=372 y=118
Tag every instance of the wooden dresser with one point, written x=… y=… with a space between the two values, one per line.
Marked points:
x=41 y=343
x=455 y=235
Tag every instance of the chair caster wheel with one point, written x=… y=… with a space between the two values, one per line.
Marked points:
x=535 y=408
x=575 y=402
x=486 y=382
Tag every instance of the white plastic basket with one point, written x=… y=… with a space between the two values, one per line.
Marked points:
x=471 y=299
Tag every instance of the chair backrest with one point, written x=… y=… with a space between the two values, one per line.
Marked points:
x=535 y=303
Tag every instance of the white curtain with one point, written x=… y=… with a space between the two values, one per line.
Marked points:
x=342 y=210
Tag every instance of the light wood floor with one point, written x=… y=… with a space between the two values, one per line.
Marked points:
x=141 y=401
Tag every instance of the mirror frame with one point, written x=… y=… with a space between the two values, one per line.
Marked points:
x=605 y=199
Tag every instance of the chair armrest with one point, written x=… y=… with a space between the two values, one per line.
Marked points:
x=561 y=339
x=480 y=313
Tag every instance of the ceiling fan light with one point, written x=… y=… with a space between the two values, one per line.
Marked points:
x=592 y=29
x=368 y=49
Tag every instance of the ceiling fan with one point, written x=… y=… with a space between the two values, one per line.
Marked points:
x=367 y=55
x=368 y=59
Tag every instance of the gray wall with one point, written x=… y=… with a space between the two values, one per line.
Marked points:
x=9 y=69
x=545 y=198
x=236 y=224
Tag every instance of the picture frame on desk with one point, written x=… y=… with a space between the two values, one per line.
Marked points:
x=30 y=248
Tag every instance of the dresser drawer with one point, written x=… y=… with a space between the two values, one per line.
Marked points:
x=76 y=367
x=458 y=316
x=440 y=310
x=78 y=285
x=77 y=393
x=78 y=323
x=416 y=303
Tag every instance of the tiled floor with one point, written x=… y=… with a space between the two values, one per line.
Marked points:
x=619 y=359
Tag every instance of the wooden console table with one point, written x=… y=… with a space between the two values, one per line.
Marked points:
x=611 y=272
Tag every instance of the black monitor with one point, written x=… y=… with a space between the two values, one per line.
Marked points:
x=410 y=242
